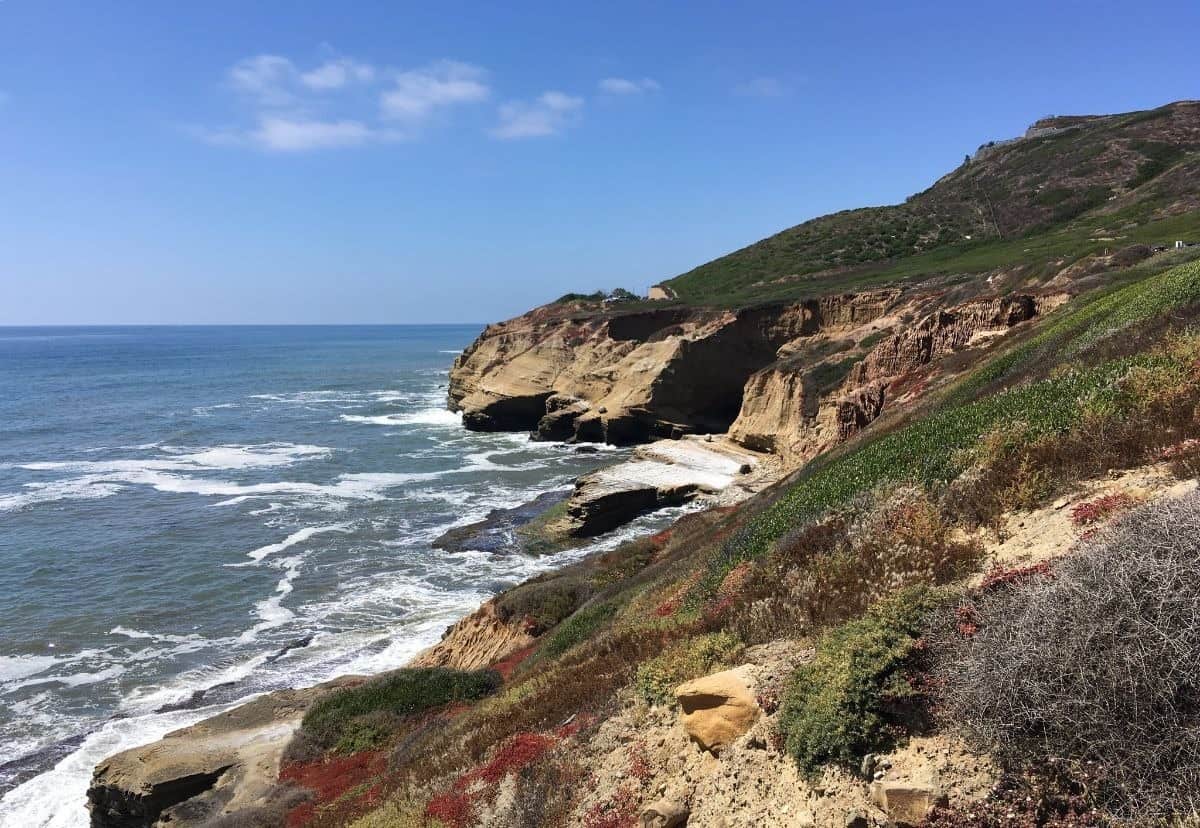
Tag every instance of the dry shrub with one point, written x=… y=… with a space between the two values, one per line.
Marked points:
x=545 y=793
x=827 y=572
x=1042 y=801
x=1094 y=669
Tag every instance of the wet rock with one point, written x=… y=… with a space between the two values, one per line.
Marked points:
x=497 y=533
x=558 y=423
x=664 y=473
x=514 y=413
x=218 y=767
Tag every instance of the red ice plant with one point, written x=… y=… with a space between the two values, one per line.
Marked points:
x=1002 y=577
x=457 y=806
x=1097 y=510
x=618 y=812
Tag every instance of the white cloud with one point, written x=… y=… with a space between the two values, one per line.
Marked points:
x=415 y=95
x=282 y=133
x=624 y=86
x=289 y=135
x=266 y=79
x=549 y=114
x=340 y=102
x=762 y=87
x=334 y=74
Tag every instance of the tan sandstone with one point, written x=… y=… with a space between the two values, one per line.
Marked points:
x=718 y=708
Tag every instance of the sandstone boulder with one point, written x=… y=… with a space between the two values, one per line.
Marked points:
x=906 y=803
x=718 y=708
x=664 y=813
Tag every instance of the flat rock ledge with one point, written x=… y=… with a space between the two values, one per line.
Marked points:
x=664 y=473
x=199 y=774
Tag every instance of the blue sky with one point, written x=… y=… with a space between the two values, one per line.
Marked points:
x=391 y=162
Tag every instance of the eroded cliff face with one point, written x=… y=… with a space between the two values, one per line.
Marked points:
x=477 y=641
x=802 y=405
x=626 y=378
x=792 y=379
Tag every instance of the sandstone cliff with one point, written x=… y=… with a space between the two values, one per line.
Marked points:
x=625 y=378
x=803 y=404
x=790 y=378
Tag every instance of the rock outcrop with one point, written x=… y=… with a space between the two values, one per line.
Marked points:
x=663 y=473
x=197 y=775
x=478 y=640
x=805 y=403
x=907 y=804
x=718 y=708
x=941 y=333
x=626 y=378
x=791 y=378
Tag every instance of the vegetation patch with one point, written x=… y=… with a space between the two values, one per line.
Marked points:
x=825 y=572
x=333 y=782
x=688 y=659
x=855 y=696
x=1092 y=670
x=359 y=718
x=1102 y=508
x=577 y=629
x=545 y=601
x=937 y=449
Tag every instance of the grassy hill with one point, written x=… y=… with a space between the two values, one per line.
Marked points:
x=1074 y=187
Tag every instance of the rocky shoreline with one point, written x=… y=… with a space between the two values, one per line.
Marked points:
x=725 y=404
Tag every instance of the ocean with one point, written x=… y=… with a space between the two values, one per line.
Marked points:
x=193 y=515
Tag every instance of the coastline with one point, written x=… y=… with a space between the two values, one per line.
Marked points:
x=510 y=382
x=72 y=767
x=473 y=639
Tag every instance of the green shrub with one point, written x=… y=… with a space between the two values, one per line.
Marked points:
x=657 y=678
x=545 y=601
x=577 y=629
x=852 y=698
x=358 y=718
x=871 y=340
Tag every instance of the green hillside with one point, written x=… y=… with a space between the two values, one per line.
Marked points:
x=1076 y=186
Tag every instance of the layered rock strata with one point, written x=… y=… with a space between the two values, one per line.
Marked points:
x=627 y=378
x=663 y=473
x=223 y=765
x=792 y=409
